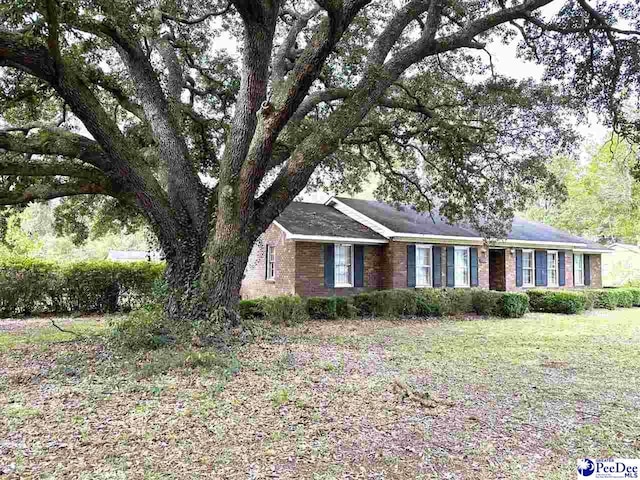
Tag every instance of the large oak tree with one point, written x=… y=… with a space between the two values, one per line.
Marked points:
x=133 y=105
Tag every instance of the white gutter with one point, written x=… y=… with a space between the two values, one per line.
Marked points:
x=592 y=250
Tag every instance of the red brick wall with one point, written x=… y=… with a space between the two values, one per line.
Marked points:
x=568 y=271
x=395 y=265
x=483 y=267
x=309 y=268
x=254 y=283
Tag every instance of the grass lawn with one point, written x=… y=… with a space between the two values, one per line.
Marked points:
x=351 y=399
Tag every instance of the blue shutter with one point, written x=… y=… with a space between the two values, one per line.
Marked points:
x=518 y=268
x=561 y=269
x=587 y=269
x=541 y=268
x=451 y=267
x=411 y=265
x=473 y=259
x=358 y=265
x=437 y=266
x=329 y=265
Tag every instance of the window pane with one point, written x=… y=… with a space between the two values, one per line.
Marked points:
x=343 y=264
x=462 y=267
x=421 y=276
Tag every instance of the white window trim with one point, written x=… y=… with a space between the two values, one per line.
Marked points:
x=429 y=283
x=578 y=282
x=272 y=278
x=335 y=283
x=455 y=283
x=533 y=267
x=557 y=284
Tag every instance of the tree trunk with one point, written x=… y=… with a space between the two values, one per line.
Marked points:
x=204 y=287
x=223 y=268
x=182 y=277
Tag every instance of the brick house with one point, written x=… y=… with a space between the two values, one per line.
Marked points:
x=347 y=246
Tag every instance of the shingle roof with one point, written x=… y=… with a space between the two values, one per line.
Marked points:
x=406 y=220
x=320 y=220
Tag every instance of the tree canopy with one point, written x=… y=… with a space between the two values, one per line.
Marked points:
x=138 y=104
x=602 y=196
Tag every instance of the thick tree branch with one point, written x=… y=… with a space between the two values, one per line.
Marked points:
x=57 y=142
x=327 y=136
x=28 y=167
x=165 y=125
x=125 y=169
x=281 y=57
x=289 y=94
x=49 y=192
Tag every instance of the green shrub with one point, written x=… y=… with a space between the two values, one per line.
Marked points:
x=387 y=303
x=251 y=309
x=30 y=286
x=142 y=329
x=485 y=302
x=345 y=308
x=604 y=298
x=429 y=302
x=366 y=304
x=502 y=304
x=554 y=301
x=635 y=292
x=590 y=298
x=457 y=301
x=322 y=308
x=285 y=310
x=512 y=305
x=624 y=297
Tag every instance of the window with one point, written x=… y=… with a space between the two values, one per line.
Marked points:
x=578 y=266
x=461 y=266
x=528 y=268
x=423 y=266
x=271 y=262
x=343 y=265
x=552 y=268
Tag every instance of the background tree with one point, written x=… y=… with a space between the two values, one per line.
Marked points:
x=602 y=196
x=135 y=101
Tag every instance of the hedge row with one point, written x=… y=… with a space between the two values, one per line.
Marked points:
x=576 y=301
x=29 y=286
x=436 y=302
x=388 y=304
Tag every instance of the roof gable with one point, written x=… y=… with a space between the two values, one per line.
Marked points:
x=302 y=219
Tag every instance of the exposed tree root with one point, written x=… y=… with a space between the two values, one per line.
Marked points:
x=434 y=404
